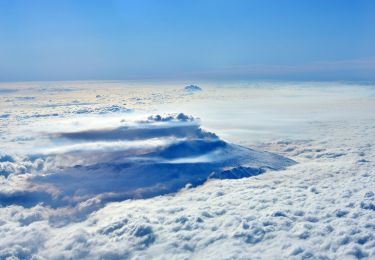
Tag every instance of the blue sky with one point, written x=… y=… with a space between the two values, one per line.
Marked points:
x=187 y=39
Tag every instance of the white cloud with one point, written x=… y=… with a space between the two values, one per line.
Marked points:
x=320 y=208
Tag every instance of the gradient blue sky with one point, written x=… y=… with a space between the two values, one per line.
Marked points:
x=187 y=39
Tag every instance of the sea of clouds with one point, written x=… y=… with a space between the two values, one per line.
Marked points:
x=114 y=175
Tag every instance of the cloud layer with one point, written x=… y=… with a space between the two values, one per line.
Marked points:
x=320 y=208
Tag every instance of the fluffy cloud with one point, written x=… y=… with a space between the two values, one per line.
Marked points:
x=320 y=208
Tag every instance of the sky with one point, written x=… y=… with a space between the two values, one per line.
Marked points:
x=186 y=39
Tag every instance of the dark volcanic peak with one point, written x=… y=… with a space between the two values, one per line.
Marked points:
x=193 y=88
x=141 y=159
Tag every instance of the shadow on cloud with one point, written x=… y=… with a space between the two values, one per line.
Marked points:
x=139 y=159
